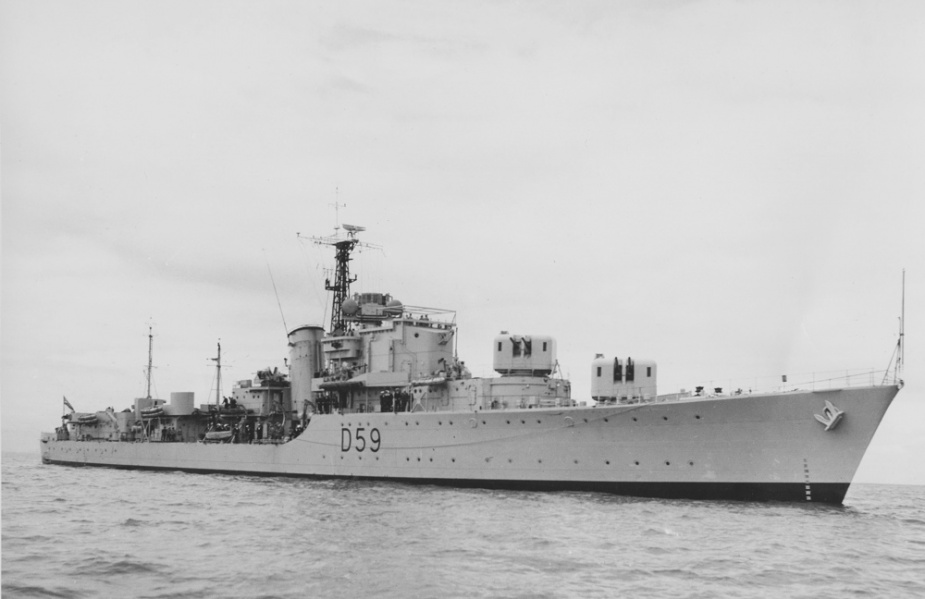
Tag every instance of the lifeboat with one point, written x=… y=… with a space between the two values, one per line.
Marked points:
x=232 y=412
x=219 y=436
x=87 y=419
x=153 y=412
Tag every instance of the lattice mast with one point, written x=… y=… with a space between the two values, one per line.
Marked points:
x=340 y=288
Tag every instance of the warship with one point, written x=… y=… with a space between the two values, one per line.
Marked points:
x=382 y=394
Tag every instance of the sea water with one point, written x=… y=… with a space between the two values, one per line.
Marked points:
x=95 y=532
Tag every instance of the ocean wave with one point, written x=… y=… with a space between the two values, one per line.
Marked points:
x=87 y=533
x=125 y=566
x=15 y=590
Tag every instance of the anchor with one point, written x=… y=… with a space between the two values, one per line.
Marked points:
x=831 y=416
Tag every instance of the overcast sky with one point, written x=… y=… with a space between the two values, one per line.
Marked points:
x=729 y=188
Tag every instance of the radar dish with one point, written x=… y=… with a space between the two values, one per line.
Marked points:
x=353 y=228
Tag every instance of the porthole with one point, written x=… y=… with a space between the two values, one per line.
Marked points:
x=664 y=417
x=667 y=463
x=607 y=462
x=635 y=419
x=697 y=416
x=691 y=463
x=637 y=463
x=605 y=420
x=523 y=422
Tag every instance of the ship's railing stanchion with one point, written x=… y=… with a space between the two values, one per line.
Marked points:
x=814 y=381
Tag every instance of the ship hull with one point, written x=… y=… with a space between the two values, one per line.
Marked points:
x=752 y=447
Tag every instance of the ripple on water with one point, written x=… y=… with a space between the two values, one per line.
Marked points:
x=15 y=590
x=88 y=532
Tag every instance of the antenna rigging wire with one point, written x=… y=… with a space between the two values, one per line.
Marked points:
x=278 y=303
x=314 y=284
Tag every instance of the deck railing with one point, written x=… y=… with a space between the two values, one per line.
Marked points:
x=812 y=381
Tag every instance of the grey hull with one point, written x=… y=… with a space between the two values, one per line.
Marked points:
x=751 y=447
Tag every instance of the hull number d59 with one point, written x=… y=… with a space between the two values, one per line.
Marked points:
x=360 y=439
